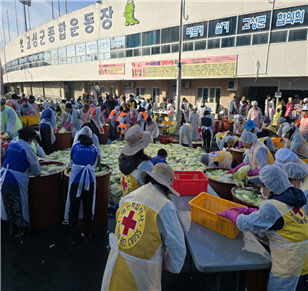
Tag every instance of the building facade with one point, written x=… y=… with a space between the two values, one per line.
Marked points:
x=250 y=48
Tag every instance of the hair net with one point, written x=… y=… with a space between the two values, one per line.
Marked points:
x=284 y=156
x=295 y=171
x=205 y=159
x=274 y=179
x=85 y=131
x=240 y=118
x=229 y=139
x=209 y=109
x=285 y=130
x=305 y=108
x=248 y=137
x=281 y=120
x=254 y=103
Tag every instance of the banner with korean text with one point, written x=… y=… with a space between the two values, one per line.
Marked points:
x=218 y=66
x=112 y=69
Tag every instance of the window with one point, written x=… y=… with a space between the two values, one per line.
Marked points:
x=114 y=55
x=112 y=90
x=155 y=50
x=227 y=42
x=299 y=34
x=146 y=51
x=260 y=38
x=133 y=40
x=54 y=54
x=165 y=49
x=151 y=37
x=62 y=52
x=70 y=51
x=140 y=92
x=175 y=48
x=91 y=47
x=208 y=94
x=129 y=53
x=121 y=54
x=80 y=49
x=137 y=52
x=243 y=40
x=170 y=34
x=188 y=46
x=213 y=43
x=279 y=36
x=156 y=95
x=200 y=45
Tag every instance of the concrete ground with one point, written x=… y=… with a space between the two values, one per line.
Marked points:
x=44 y=260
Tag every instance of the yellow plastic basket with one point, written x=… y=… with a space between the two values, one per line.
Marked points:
x=278 y=142
x=204 y=209
x=305 y=160
x=33 y=120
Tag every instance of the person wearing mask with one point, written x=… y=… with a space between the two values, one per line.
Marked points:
x=14 y=103
x=152 y=127
x=84 y=114
x=71 y=120
x=257 y=156
x=170 y=110
x=26 y=108
x=161 y=157
x=289 y=108
x=82 y=184
x=282 y=216
x=142 y=118
x=232 y=106
x=296 y=173
x=132 y=102
x=239 y=124
x=186 y=135
x=231 y=142
x=295 y=141
x=201 y=110
x=158 y=233
x=10 y=122
x=133 y=160
x=284 y=155
x=255 y=114
x=194 y=121
x=19 y=162
x=32 y=103
x=303 y=127
x=221 y=139
x=47 y=126
x=220 y=159
x=207 y=124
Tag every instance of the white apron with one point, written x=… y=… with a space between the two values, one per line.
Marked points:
x=87 y=171
x=23 y=180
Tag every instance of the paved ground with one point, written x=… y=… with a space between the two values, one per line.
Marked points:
x=44 y=260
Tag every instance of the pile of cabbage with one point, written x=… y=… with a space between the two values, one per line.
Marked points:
x=179 y=158
x=51 y=169
x=249 y=195
x=220 y=175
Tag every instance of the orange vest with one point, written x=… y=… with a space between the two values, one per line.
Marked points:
x=122 y=128
x=144 y=114
x=122 y=114
x=112 y=113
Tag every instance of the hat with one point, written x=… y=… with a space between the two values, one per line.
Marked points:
x=305 y=100
x=240 y=118
x=249 y=125
x=254 y=103
x=195 y=107
x=209 y=109
x=136 y=140
x=305 y=108
x=162 y=174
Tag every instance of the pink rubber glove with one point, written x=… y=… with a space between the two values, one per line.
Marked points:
x=239 y=145
x=244 y=210
x=230 y=214
x=67 y=126
x=232 y=171
x=253 y=172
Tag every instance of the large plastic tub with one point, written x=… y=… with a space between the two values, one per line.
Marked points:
x=204 y=209
x=63 y=141
x=223 y=189
x=228 y=125
x=103 y=138
x=240 y=201
x=190 y=183
x=45 y=194
x=237 y=154
x=102 y=194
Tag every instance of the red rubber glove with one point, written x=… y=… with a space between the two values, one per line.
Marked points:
x=253 y=172
x=244 y=210
x=233 y=171
x=230 y=214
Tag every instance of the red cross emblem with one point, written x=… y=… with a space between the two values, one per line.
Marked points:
x=129 y=222
x=124 y=184
x=297 y=210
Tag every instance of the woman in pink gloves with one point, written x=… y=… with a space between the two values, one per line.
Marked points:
x=283 y=218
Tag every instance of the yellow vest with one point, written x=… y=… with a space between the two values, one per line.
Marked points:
x=221 y=135
x=224 y=159
x=289 y=245
x=251 y=155
x=135 y=262
x=130 y=182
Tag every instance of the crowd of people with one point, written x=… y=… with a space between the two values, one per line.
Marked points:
x=148 y=230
